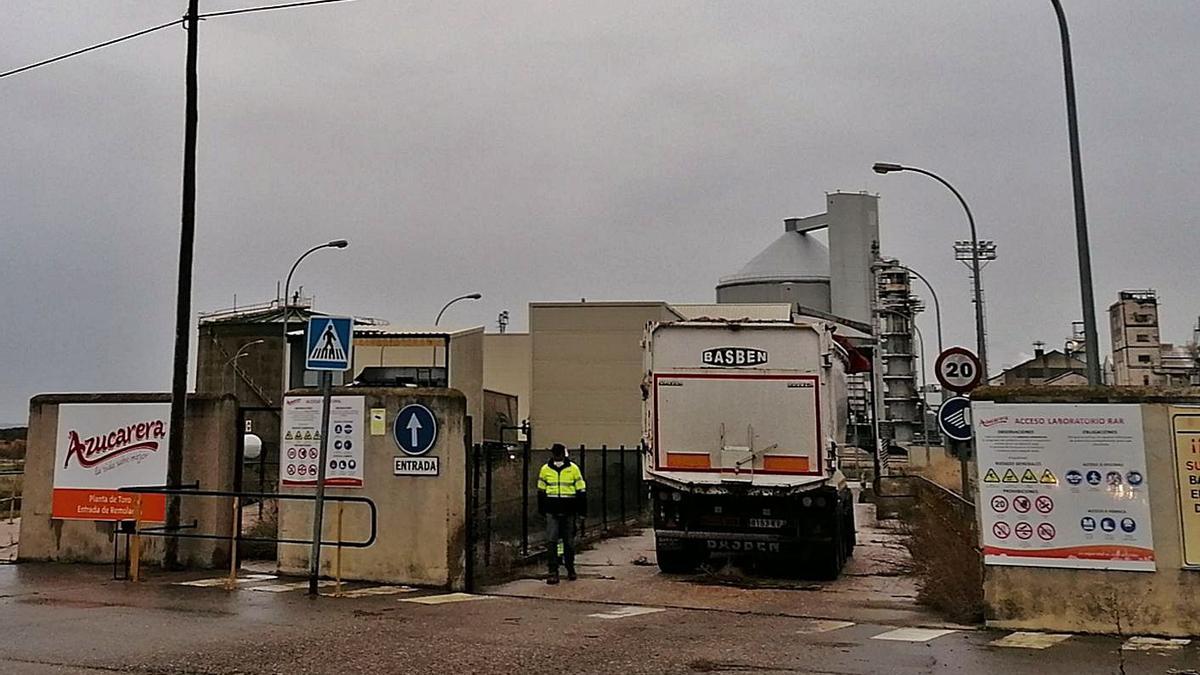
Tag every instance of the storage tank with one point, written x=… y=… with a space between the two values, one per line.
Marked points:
x=793 y=269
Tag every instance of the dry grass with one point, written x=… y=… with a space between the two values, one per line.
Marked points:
x=946 y=560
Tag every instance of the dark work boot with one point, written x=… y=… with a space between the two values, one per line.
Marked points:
x=571 y=576
x=552 y=578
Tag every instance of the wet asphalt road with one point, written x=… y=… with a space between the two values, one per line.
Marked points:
x=622 y=616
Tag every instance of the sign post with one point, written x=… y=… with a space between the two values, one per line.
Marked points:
x=329 y=343
x=959 y=370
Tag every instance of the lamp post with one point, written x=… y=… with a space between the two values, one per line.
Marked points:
x=287 y=303
x=438 y=320
x=1091 y=340
x=977 y=291
x=937 y=306
x=237 y=355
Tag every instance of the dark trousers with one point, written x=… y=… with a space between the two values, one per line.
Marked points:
x=560 y=526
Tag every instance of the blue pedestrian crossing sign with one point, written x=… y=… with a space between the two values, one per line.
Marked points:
x=329 y=343
x=954 y=417
x=415 y=429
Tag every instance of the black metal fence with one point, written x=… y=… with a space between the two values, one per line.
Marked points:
x=505 y=526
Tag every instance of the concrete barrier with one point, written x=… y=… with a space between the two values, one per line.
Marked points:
x=209 y=458
x=1162 y=602
x=422 y=519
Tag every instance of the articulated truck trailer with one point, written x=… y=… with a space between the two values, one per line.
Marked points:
x=742 y=422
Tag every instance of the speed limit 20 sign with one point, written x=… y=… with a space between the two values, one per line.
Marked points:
x=958 y=369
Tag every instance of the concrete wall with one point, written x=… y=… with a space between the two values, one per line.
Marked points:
x=210 y=457
x=466 y=375
x=507 y=367
x=421 y=536
x=587 y=371
x=1159 y=603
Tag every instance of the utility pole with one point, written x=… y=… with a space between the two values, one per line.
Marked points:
x=183 y=297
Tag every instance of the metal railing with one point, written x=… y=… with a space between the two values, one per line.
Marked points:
x=502 y=498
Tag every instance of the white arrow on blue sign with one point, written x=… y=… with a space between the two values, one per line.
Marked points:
x=954 y=417
x=415 y=429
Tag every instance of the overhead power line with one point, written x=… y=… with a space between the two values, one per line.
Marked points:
x=176 y=22
x=94 y=47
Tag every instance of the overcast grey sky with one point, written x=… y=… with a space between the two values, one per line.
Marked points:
x=559 y=150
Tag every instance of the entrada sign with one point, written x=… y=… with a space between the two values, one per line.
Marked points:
x=733 y=356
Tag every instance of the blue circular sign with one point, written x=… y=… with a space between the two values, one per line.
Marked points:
x=1093 y=477
x=955 y=419
x=1135 y=478
x=1108 y=524
x=1128 y=524
x=1074 y=477
x=415 y=429
x=1088 y=524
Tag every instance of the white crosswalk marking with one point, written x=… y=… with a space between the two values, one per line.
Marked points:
x=446 y=598
x=810 y=626
x=913 y=634
x=1028 y=640
x=373 y=591
x=1153 y=644
x=626 y=612
x=221 y=581
x=291 y=586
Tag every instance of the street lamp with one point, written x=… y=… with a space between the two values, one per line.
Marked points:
x=469 y=296
x=287 y=306
x=438 y=320
x=980 y=337
x=1090 y=338
x=237 y=355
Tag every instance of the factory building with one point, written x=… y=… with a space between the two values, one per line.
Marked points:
x=1139 y=356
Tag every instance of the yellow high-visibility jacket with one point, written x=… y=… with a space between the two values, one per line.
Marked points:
x=561 y=490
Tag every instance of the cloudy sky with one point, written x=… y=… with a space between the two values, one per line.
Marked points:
x=557 y=150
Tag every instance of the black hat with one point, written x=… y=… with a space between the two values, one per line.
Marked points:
x=558 y=450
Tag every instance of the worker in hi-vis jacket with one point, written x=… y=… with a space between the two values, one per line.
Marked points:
x=561 y=497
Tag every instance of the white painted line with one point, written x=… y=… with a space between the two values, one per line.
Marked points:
x=447 y=598
x=292 y=586
x=810 y=626
x=1153 y=644
x=914 y=634
x=626 y=612
x=372 y=591
x=221 y=581
x=1027 y=640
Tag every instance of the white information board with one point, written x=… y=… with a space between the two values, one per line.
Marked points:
x=1063 y=485
x=302 y=441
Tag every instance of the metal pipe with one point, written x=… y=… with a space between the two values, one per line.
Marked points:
x=1086 y=291
x=237 y=355
x=937 y=306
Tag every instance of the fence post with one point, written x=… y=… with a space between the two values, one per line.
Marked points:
x=604 y=487
x=525 y=450
x=472 y=511
x=487 y=506
x=583 y=472
x=641 y=488
x=624 y=478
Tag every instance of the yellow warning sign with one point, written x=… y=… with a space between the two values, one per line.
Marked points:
x=1049 y=477
x=317 y=436
x=991 y=476
x=1029 y=476
x=1010 y=477
x=288 y=437
x=308 y=435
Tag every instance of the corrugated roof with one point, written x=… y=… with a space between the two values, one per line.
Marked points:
x=791 y=257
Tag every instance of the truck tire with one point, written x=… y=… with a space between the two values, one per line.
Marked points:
x=828 y=561
x=850 y=536
x=676 y=562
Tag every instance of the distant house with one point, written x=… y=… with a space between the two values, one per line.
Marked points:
x=1046 y=367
